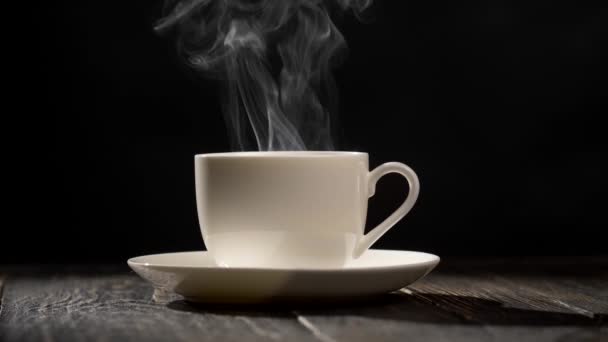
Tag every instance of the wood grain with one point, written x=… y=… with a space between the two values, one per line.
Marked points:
x=463 y=301
x=461 y=308
x=122 y=307
x=1 y=288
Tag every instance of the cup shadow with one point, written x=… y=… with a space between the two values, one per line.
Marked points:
x=420 y=307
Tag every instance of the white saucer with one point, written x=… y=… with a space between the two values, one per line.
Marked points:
x=195 y=276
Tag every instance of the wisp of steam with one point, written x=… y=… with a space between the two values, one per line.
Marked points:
x=274 y=57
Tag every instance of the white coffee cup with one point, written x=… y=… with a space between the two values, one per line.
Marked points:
x=291 y=209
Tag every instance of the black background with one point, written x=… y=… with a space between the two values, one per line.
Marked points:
x=498 y=106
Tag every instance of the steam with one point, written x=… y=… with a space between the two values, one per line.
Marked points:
x=274 y=57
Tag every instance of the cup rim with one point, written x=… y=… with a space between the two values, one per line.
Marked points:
x=298 y=154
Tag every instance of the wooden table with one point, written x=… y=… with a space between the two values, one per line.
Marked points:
x=522 y=299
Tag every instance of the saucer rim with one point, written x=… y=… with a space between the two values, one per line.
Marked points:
x=431 y=263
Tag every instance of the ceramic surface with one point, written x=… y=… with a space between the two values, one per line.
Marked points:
x=291 y=209
x=197 y=277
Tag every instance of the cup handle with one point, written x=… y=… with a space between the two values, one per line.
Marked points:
x=372 y=236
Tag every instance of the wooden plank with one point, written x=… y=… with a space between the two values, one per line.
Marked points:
x=407 y=317
x=580 y=295
x=458 y=303
x=472 y=295
x=579 y=284
x=392 y=318
x=121 y=308
x=2 y=277
x=566 y=288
